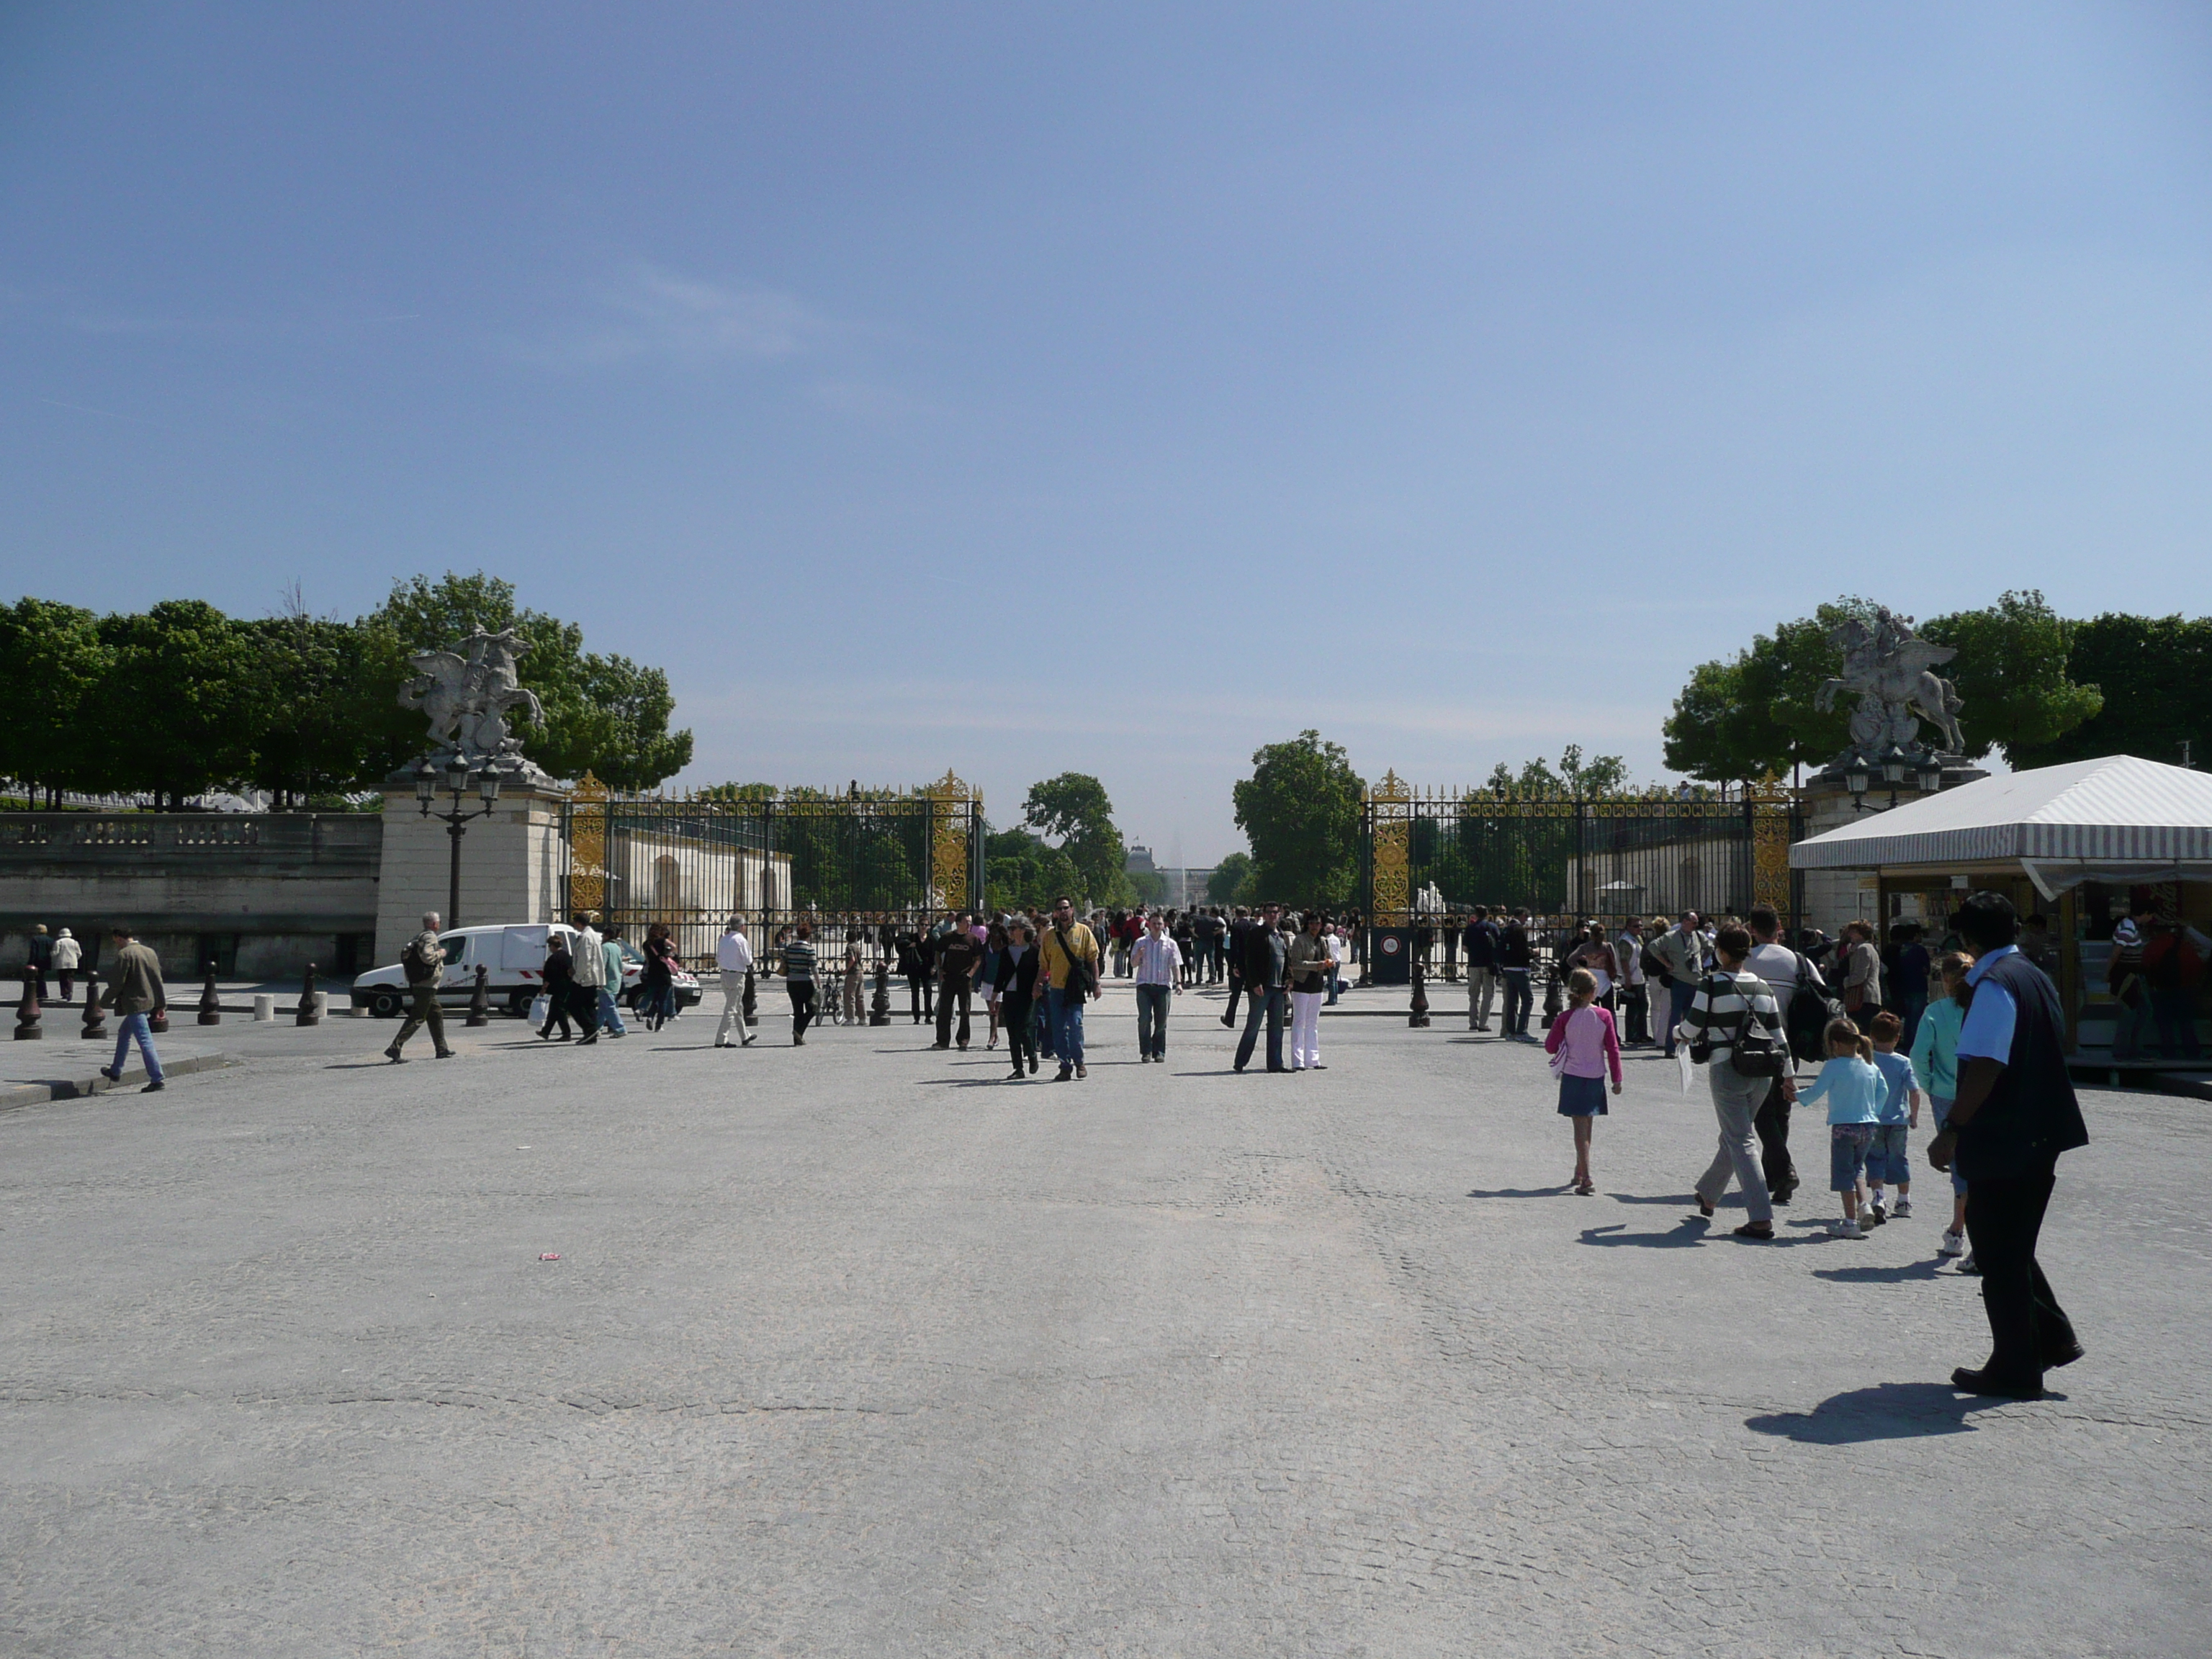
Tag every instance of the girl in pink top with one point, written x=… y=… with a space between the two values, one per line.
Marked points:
x=1583 y=1046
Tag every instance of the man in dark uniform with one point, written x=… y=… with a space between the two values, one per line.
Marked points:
x=2014 y=1113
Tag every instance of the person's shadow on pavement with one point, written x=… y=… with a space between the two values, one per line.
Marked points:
x=1887 y=1411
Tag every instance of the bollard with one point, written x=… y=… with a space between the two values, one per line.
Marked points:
x=1553 y=999
x=210 y=1006
x=265 y=1007
x=879 y=1006
x=95 y=1018
x=26 y=1011
x=750 y=1007
x=308 y=1014
x=480 y=998
x=1419 y=1015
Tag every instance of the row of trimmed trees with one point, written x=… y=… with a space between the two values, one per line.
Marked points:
x=180 y=699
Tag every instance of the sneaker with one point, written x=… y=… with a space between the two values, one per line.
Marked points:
x=1968 y=1266
x=1846 y=1230
x=1904 y=1210
x=1873 y=1216
x=1952 y=1243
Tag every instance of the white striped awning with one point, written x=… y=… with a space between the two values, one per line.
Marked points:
x=2120 y=809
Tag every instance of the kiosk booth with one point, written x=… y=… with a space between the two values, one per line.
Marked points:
x=2083 y=847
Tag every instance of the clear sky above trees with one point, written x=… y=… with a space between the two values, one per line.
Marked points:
x=1441 y=335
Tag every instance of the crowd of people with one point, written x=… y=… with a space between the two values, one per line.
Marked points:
x=1974 y=1037
x=1969 y=1034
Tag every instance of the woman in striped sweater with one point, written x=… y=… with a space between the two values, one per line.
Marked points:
x=1718 y=1009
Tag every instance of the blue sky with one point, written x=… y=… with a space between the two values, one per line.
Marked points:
x=1031 y=388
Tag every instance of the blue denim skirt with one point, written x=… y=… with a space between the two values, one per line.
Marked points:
x=1582 y=1097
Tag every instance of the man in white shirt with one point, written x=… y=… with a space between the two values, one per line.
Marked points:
x=1634 y=1002
x=1156 y=961
x=586 y=975
x=1785 y=971
x=733 y=958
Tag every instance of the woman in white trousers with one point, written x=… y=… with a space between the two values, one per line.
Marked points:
x=1309 y=963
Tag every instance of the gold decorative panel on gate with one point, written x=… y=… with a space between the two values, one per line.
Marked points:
x=587 y=846
x=1390 y=815
x=1771 y=824
x=948 y=844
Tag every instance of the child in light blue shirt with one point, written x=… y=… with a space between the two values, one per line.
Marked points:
x=1889 y=1158
x=1936 y=1059
x=1853 y=1089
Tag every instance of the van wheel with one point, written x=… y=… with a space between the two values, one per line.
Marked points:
x=384 y=1005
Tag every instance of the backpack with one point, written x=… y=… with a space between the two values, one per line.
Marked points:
x=1753 y=1050
x=1810 y=1011
x=1654 y=968
x=416 y=961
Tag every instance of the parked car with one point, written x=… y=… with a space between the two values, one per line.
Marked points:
x=515 y=957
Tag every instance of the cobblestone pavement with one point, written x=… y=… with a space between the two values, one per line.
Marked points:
x=855 y=1349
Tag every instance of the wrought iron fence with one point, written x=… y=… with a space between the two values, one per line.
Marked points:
x=858 y=866
x=1427 y=851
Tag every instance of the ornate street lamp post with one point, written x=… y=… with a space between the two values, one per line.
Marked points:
x=455 y=819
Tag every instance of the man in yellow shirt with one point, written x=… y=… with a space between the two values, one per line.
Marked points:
x=1070 y=958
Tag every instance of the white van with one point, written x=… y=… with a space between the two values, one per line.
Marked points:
x=515 y=956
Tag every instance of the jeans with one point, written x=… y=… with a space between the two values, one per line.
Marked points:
x=1041 y=1031
x=1520 y=1000
x=733 y=1008
x=1021 y=1036
x=1481 y=987
x=1305 y=1029
x=1152 y=1020
x=1772 y=1121
x=1678 y=996
x=610 y=1013
x=133 y=1027
x=1939 y=1105
x=802 y=1006
x=1259 y=1003
x=1736 y=1099
x=2028 y=1327
x=2175 y=1012
x=1847 y=1155
x=1066 y=1026
x=952 y=992
x=1889 y=1156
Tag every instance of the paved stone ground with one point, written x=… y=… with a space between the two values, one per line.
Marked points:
x=853 y=1349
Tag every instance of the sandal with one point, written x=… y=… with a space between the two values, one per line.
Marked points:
x=1756 y=1229
x=1588 y=1190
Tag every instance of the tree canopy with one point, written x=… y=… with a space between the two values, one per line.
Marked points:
x=1226 y=885
x=1742 y=717
x=180 y=698
x=1074 y=807
x=1299 y=812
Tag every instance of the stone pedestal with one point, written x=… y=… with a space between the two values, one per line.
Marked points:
x=512 y=863
x=1833 y=897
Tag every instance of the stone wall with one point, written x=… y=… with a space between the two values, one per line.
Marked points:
x=263 y=893
x=513 y=864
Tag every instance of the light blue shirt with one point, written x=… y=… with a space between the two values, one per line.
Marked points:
x=1987 y=1033
x=1897 y=1084
x=1935 y=1049
x=1853 y=1088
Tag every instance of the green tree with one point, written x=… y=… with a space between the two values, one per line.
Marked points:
x=1148 y=887
x=1226 y=885
x=181 y=704
x=1300 y=812
x=1074 y=807
x=1742 y=717
x=317 y=740
x=2012 y=674
x=2154 y=674
x=1022 y=873
x=604 y=714
x=57 y=654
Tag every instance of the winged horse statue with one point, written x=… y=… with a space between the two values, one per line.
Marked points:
x=1891 y=670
